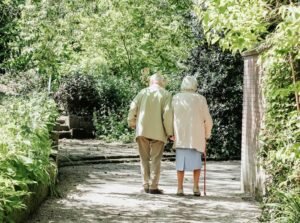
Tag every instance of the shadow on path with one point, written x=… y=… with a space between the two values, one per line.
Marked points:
x=112 y=193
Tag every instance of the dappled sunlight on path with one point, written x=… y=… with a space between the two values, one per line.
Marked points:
x=112 y=193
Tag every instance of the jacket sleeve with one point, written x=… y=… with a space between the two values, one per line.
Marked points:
x=133 y=110
x=208 y=122
x=168 y=115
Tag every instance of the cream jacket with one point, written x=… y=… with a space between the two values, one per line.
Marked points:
x=151 y=113
x=192 y=121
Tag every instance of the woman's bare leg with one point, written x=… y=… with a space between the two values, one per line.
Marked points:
x=196 y=179
x=180 y=177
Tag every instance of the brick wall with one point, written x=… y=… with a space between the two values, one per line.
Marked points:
x=252 y=176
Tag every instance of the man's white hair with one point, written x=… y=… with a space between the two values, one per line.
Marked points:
x=157 y=79
x=189 y=83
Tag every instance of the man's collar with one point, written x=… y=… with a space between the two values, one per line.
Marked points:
x=155 y=86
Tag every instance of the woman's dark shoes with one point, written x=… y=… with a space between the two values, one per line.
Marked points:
x=155 y=191
x=180 y=192
x=197 y=192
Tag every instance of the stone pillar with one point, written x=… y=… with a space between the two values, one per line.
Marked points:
x=252 y=176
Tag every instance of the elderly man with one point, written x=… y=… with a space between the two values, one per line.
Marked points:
x=151 y=115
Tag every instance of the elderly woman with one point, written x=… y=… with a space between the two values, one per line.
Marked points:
x=192 y=126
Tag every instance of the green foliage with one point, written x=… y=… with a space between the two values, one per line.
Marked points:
x=112 y=37
x=115 y=92
x=9 y=12
x=247 y=24
x=24 y=148
x=274 y=27
x=23 y=83
x=288 y=207
x=236 y=26
x=110 y=119
x=280 y=142
x=113 y=126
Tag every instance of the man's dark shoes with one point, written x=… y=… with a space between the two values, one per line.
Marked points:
x=155 y=191
x=146 y=190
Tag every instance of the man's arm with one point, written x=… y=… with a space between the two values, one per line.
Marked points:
x=168 y=116
x=133 y=110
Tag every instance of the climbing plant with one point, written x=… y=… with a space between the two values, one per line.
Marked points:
x=272 y=27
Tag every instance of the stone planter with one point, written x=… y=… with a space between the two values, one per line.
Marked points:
x=81 y=122
x=74 y=126
x=82 y=126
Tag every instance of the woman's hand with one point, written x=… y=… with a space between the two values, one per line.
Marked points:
x=172 y=138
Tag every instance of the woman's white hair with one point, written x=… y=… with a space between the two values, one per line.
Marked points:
x=157 y=79
x=189 y=83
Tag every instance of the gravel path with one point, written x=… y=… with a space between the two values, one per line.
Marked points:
x=111 y=192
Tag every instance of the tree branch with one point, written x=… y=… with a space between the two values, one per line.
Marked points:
x=294 y=80
x=128 y=55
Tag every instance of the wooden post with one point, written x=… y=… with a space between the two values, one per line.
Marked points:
x=252 y=175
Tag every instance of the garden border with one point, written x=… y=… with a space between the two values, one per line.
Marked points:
x=38 y=194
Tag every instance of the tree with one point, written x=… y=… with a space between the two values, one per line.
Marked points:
x=104 y=37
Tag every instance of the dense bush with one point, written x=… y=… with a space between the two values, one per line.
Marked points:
x=78 y=94
x=24 y=148
x=114 y=92
x=280 y=139
x=110 y=119
x=10 y=12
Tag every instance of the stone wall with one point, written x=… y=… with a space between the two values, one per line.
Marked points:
x=252 y=176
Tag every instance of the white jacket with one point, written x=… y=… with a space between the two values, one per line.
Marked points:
x=192 y=120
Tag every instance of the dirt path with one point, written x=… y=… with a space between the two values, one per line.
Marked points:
x=111 y=193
